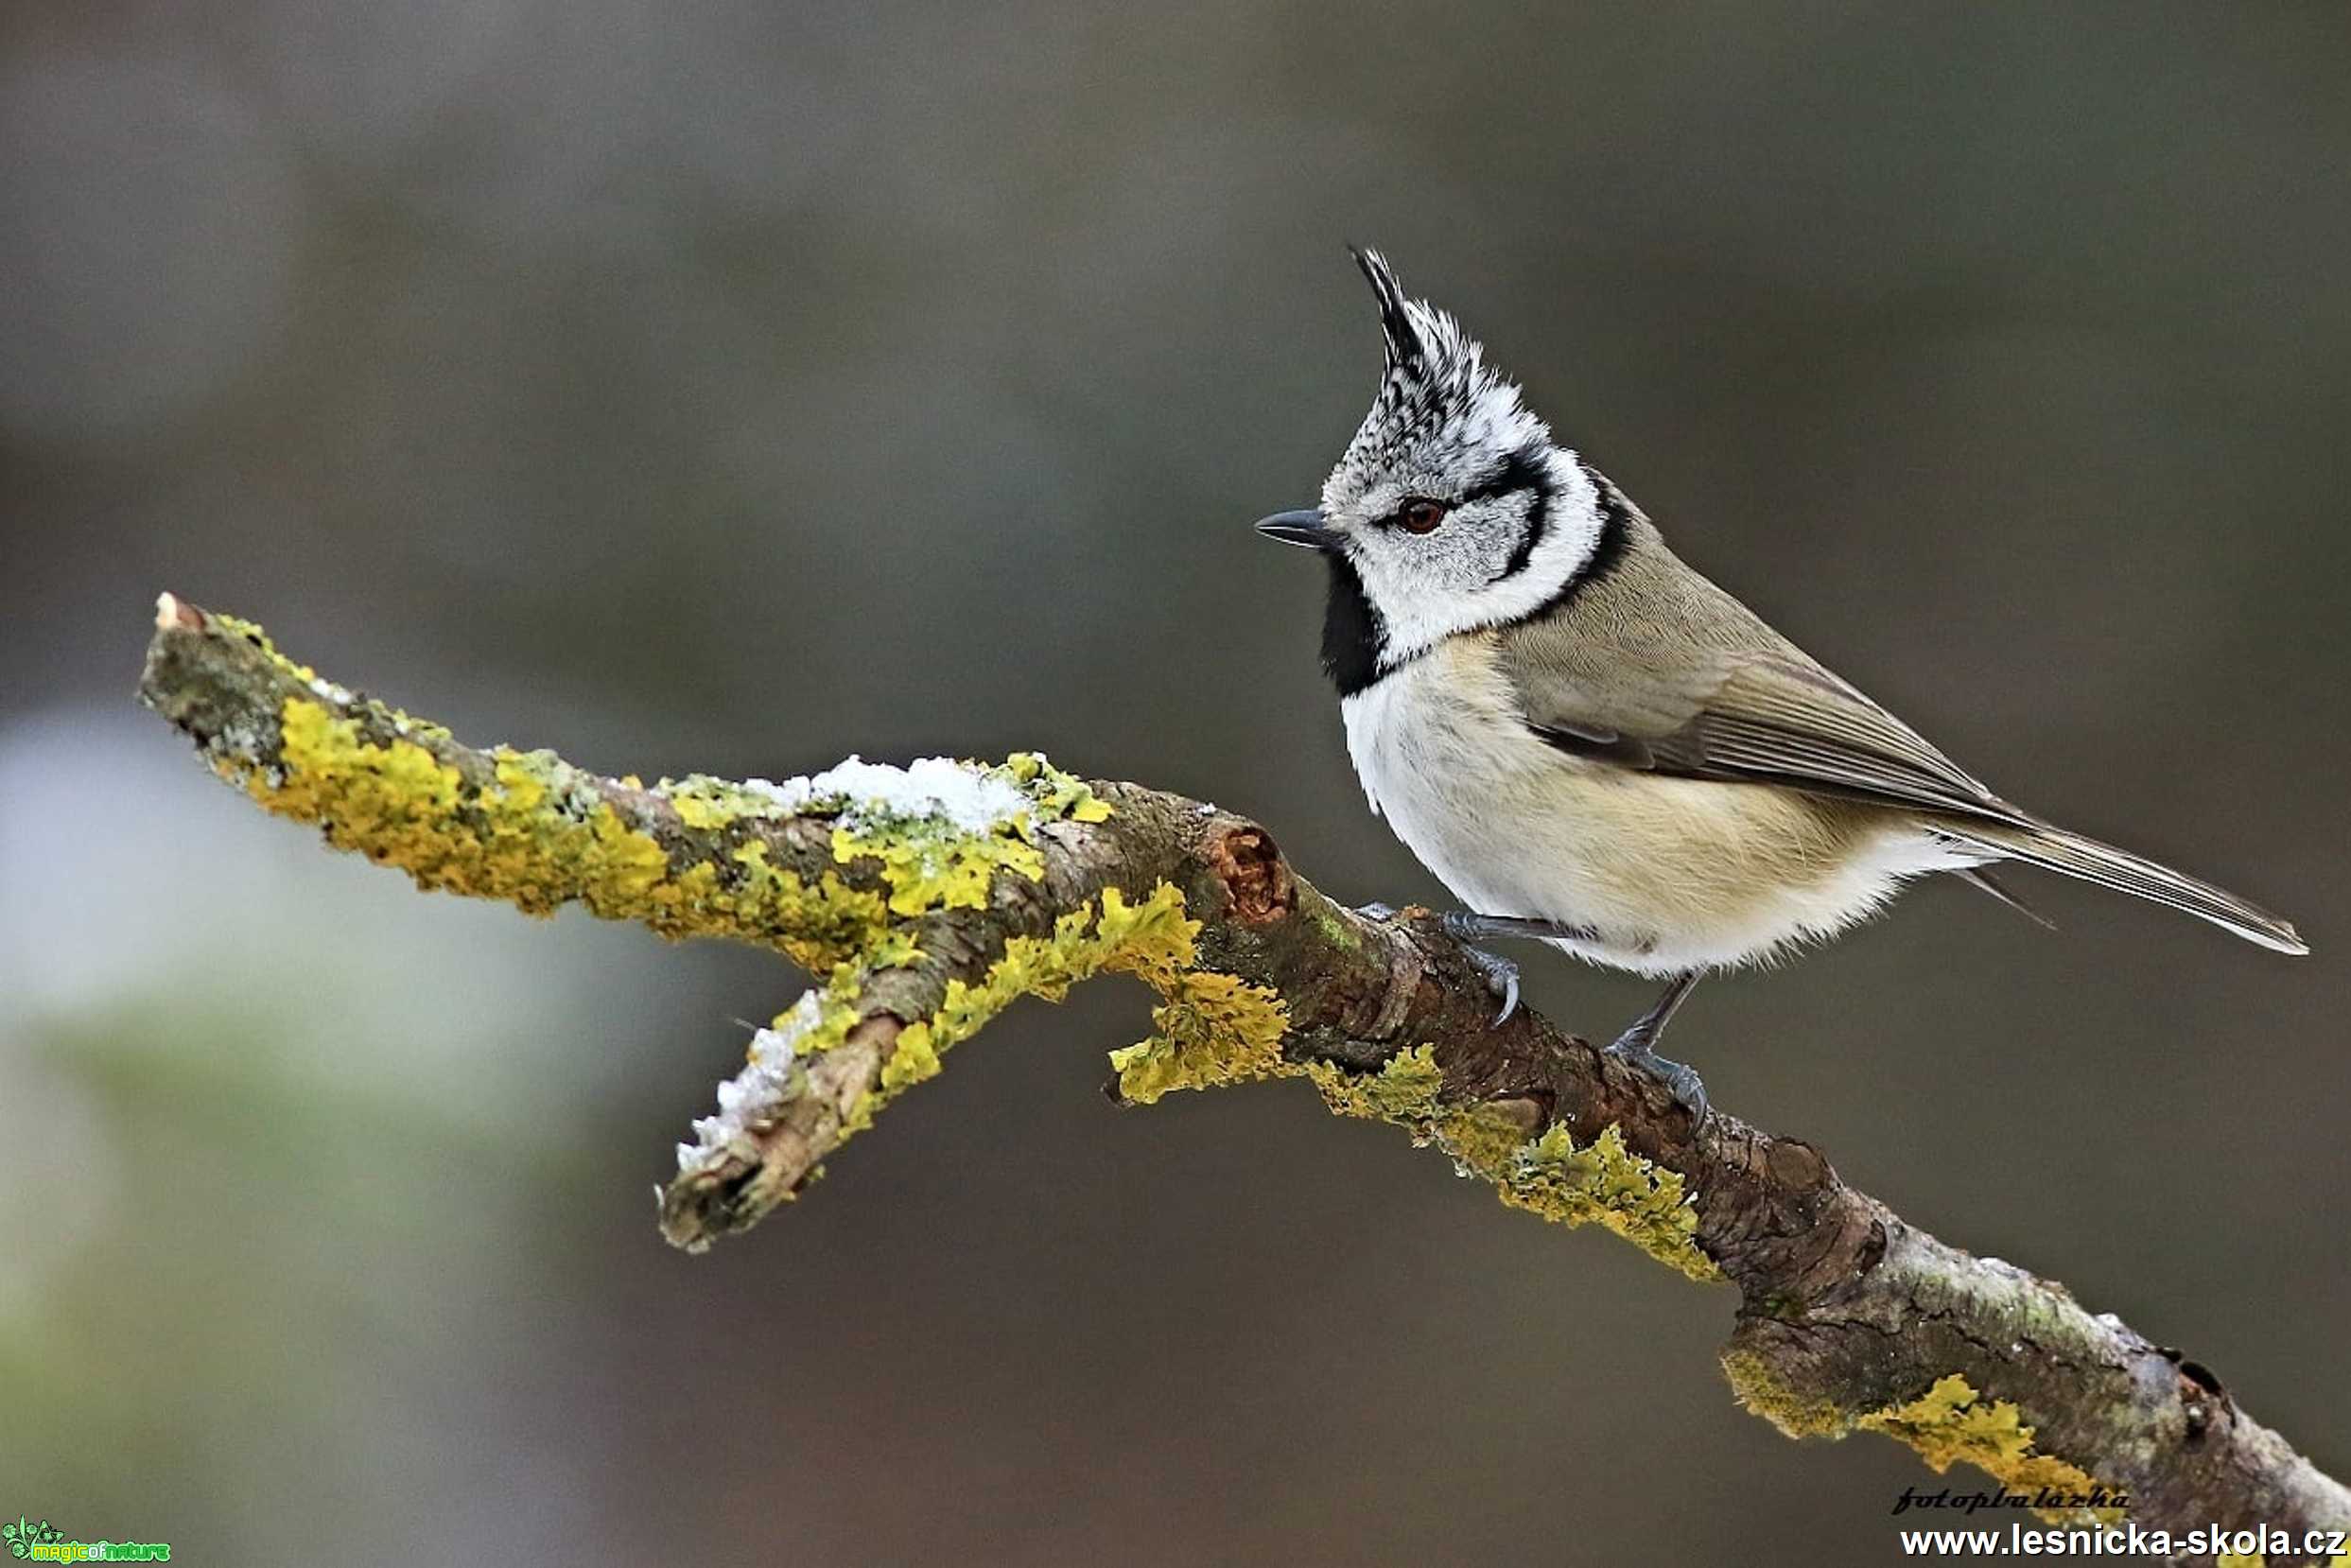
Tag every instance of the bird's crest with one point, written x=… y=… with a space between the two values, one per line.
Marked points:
x=1436 y=383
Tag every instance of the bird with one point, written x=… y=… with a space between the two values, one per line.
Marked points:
x=1593 y=745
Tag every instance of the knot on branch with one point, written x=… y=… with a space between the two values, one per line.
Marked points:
x=1256 y=879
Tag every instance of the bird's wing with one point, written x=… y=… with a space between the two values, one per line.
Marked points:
x=1653 y=666
x=1673 y=675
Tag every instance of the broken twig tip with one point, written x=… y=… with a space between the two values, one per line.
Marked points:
x=172 y=611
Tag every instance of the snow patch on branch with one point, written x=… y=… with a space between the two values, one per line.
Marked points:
x=753 y=1098
x=975 y=799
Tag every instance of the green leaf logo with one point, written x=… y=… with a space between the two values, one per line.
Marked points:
x=25 y=1534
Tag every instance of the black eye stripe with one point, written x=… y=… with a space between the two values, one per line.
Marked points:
x=1524 y=469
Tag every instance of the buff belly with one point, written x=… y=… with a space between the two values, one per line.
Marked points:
x=1669 y=874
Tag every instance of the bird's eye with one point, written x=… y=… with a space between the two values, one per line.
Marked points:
x=1421 y=516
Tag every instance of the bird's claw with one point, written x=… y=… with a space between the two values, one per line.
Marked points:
x=1680 y=1080
x=1688 y=1090
x=1501 y=977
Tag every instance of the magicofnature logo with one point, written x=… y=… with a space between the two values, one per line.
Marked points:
x=39 y=1541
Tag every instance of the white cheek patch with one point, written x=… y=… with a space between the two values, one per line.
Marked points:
x=1426 y=595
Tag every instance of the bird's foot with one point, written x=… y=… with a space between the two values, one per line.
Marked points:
x=1636 y=1047
x=1501 y=977
x=1468 y=929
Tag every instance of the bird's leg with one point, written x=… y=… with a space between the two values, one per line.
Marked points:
x=1638 y=1046
x=1462 y=926
x=1501 y=976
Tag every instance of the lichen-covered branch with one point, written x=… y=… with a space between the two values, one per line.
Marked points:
x=927 y=899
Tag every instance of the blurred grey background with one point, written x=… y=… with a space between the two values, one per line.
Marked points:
x=738 y=386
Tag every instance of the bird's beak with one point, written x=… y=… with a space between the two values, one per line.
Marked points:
x=1300 y=528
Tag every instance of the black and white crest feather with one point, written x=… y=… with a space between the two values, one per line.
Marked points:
x=1395 y=324
x=1436 y=374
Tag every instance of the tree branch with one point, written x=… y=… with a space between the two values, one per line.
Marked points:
x=927 y=899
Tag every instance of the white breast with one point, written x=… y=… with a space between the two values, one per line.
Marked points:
x=1669 y=874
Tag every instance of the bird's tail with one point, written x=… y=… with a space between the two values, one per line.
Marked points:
x=2056 y=849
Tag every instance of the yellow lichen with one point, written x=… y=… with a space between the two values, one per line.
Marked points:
x=836 y=1015
x=539 y=835
x=1152 y=939
x=814 y=925
x=1603 y=1183
x=1950 y=1423
x=1063 y=796
x=1213 y=1029
x=1404 y=1090
x=931 y=863
x=1758 y=1386
x=914 y=1058
x=706 y=803
x=896 y=948
x=1606 y=1183
x=400 y=805
x=932 y=866
x=251 y=631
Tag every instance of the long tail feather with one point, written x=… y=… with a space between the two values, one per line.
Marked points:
x=2055 y=849
x=1976 y=875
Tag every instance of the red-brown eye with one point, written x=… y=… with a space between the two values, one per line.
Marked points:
x=1421 y=516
